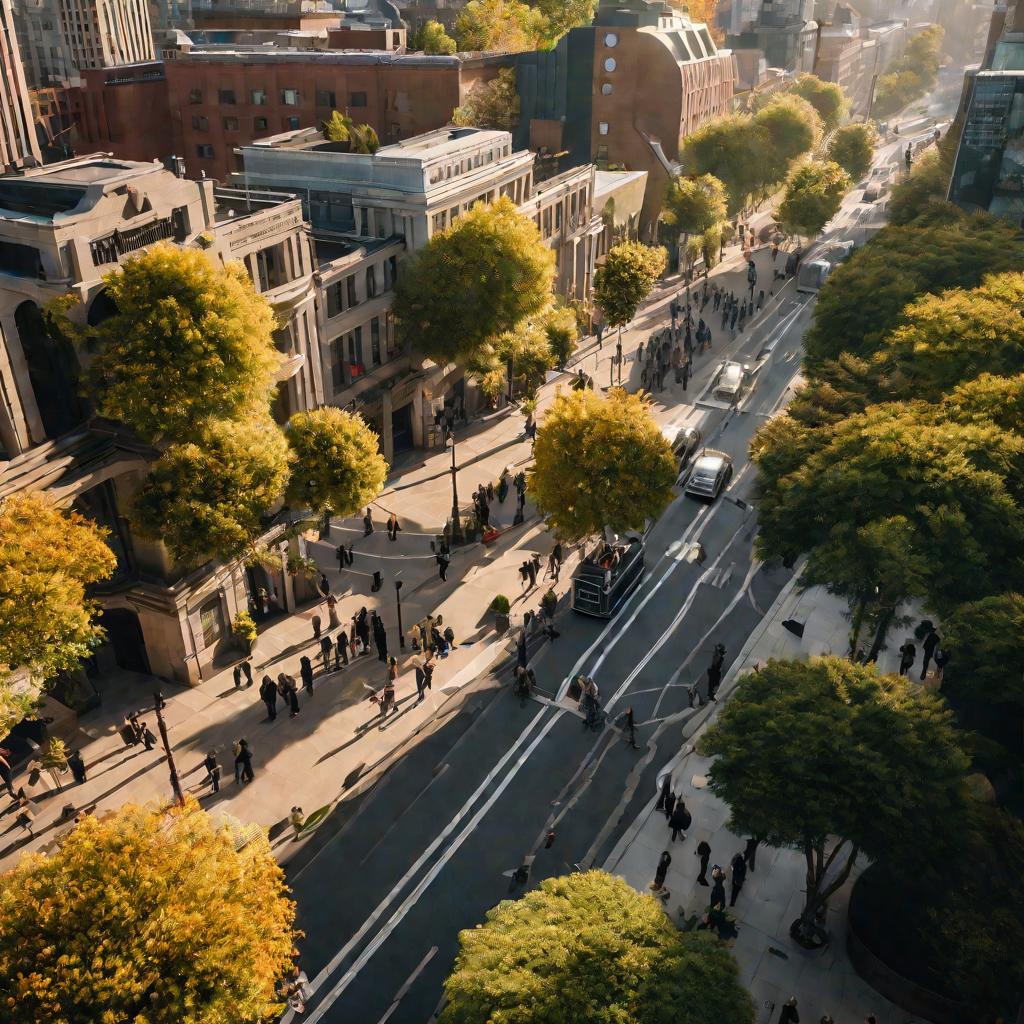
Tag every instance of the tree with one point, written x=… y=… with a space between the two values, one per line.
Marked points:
x=826 y=97
x=589 y=947
x=206 y=499
x=189 y=341
x=629 y=272
x=819 y=753
x=482 y=276
x=493 y=104
x=507 y=25
x=341 y=128
x=337 y=466
x=986 y=656
x=48 y=624
x=787 y=128
x=600 y=461
x=146 y=916
x=725 y=147
x=522 y=355
x=431 y=38
x=863 y=300
x=911 y=75
x=562 y=329
x=814 y=193
x=853 y=147
x=695 y=206
x=923 y=191
x=893 y=91
x=562 y=15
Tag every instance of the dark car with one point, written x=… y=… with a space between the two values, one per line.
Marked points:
x=684 y=441
x=711 y=472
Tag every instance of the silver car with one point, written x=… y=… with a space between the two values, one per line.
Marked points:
x=732 y=380
x=710 y=473
x=684 y=441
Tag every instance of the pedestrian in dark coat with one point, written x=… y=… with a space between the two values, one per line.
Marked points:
x=380 y=638
x=243 y=760
x=341 y=650
x=739 y=876
x=670 y=806
x=931 y=641
x=148 y=738
x=704 y=852
x=323 y=586
x=77 y=765
x=661 y=871
x=212 y=770
x=363 y=629
x=268 y=694
x=247 y=671
x=367 y=524
x=680 y=820
x=664 y=792
x=789 y=1014
x=717 y=889
x=306 y=669
x=750 y=851
x=908 y=654
x=293 y=698
x=326 y=643
x=237 y=673
x=442 y=565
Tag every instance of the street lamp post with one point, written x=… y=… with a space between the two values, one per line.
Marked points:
x=456 y=525
x=398 y=603
x=162 y=726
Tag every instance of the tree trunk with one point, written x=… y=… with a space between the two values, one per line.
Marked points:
x=857 y=625
x=884 y=622
x=805 y=929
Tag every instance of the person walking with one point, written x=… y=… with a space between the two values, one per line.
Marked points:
x=363 y=630
x=704 y=852
x=658 y=885
x=297 y=819
x=212 y=767
x=428 y=671
x=326 y=644
x=332 y=611
x=368 y=523
x=268 y=694
x=293 y=698
x=380 y=638
x=417 y=666
x=717 y=888
x=931 y=642
x=148 y=738
x=243 y=762
x=247 y=672
x=75 y=763
x=750 y=851
x=531 y=572
x=442 y=565
x=237 y=674
x=664 y=792
x=680 y=820
x=739 y=876
x=908 y=654
x=306 y=668
x=670 y=805
x=941 y=661
x=340 y=650
x=342 y=556
x=323 y=586
x=393 y=527
x=789 y=1013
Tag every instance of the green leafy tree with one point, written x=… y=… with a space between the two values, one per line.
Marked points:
x=561 y=325
x=789 y=127
x=481 y=277
x=696 y=207
x=923 y=192
x=609 y=956
x=814 y=193
x=337 y=466
x=562 y=15
x=629 y=272
x=341 y=128
x=525 y=351
x=600 y=461
x=48 y=624
x=826 y=97
x=431 y=38
x=188 y=341
x=206 y=499
x=508 y=25
x=835 y=760
x=853 y=147
x=894 y=90
x=910 y=76
x=863 y=300
x=493 y=104
x=986 y=655
x=146 y=916
x=727 y=148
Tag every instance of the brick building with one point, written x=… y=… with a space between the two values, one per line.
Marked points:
x=17 y=133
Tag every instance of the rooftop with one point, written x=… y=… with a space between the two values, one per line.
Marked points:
x=267 y=54
x=331 y=247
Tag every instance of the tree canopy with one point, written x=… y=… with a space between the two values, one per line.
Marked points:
x=362 y=138
x=337 y=466
x=986 y=655
x=482 y=276
x=826 y=97
x=852 y=147
x=589 y=947
x=923 y=192
x=726 y=148
x=207 y=498
x=493 y=104
x=562 y=15
x=600 y=461
x=431 y=38
x=188 y=341
x=814 y=193
x=508 y=25
x=48 y=557
x=888 y=750
x=695 y=205
x=629 y=272
x=911 y=75
x=789 y=127
x=864 y=299
x=148 y=917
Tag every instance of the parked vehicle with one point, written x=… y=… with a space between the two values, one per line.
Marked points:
x=812 y=275
x=607 y=576
x=732 y=381
x=711 y=472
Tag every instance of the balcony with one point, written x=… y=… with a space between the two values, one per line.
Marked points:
x=284 y=297
x=111 y=248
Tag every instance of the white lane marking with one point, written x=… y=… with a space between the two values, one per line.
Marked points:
x=400 y=994
x=345 y=950
x=410 y=901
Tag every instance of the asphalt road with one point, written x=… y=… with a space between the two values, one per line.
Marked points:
x=385 y=889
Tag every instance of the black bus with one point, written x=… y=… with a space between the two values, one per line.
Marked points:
x=607 y=576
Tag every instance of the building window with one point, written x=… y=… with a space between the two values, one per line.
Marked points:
x=226 y=96
x=602 y=127
x=200 y=123
x=357 y=99
x=231 y=124
x=558 y=217
x=291 y=124
x=355 y=352
x=325 y=98
x=205 y=151
x=259 y=124
x=337 y=365
x=211 y=622
x=375 y=340
x=611 y=39
x=290 y=97
x=350 y=290
x=371 y=282
x=606 y=89
x=609 y=64
x=195 y=96
x=258 y=97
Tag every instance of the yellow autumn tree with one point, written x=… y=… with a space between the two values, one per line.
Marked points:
x=47 y=624
x=149 y=917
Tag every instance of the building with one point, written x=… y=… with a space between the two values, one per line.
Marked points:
x=784 y=32
x=849 y=57
x=367 y=212
x=18 y=143
x=217 y=101
x=624 y=92
x=62 y=229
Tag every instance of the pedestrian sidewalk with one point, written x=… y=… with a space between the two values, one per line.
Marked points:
x=772 y=966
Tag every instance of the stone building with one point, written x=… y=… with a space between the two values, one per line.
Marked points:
x=63 y=228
